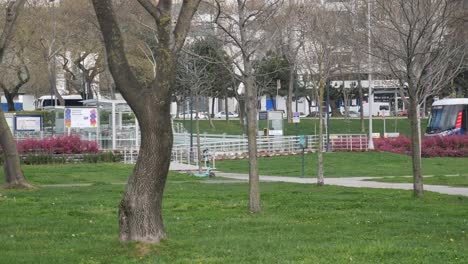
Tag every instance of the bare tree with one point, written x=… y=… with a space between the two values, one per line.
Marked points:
x=290 y=46
x=319 y=28
x=14 y=177
x=193 y=76
x=418 y=43
x=11 y=88
x=140 y=211
x=245 y=24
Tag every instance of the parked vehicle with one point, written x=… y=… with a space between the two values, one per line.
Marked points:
x=46 y=101
x=448 y=117
x=378 y=109
x=402 y=113
x=201 y=115
x=222 y=114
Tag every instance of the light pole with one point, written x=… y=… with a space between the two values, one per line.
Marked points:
x=191 y=125
x=370 y=96
x=328 y=117
x=297 y=106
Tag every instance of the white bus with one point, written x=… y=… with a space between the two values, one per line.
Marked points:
x=448 y=117
x=47 y=101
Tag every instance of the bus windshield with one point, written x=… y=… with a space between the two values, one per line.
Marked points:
x=443 y=118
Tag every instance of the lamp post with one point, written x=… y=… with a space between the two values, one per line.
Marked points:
x=328 y=117
x=297 y=106
x=370 y=95
x=191 y=125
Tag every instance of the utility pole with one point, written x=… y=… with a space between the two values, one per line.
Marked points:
x=370 y=95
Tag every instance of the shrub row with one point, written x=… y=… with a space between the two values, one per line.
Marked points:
x=40 y=159
x=71 y=144
x=450 y=146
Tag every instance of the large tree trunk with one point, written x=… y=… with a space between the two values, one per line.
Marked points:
x=10 y=97
x=140 y=211
x=14 y=177
x=416 y=148
x=320 y=170
x=290 y=95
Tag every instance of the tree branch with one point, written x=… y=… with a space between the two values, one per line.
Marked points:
x=124 y=78
x=189 y=7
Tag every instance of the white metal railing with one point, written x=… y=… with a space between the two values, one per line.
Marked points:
x=349 y=142
x=218 y=145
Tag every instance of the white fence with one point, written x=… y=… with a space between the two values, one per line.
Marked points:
x=239 y=147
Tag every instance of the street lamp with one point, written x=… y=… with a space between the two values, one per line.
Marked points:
x=328 y=117
x=191 y=124
x=370 y=96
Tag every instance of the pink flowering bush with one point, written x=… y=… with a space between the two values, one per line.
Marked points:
x=449 y=146
x=72 y=144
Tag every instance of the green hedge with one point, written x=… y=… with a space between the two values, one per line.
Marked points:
x=44 y=158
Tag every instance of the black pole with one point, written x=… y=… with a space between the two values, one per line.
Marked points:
x=297 y=106
x=328 y=118
x=303 y=163
x=191 y=125
x=295 y=94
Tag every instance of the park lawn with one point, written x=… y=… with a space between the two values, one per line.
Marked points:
x=309 y=126
x=209 y=223
x=456 y=181
x=348 y=164
x=84 y=173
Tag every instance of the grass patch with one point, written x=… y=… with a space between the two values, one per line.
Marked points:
x=347 y=164
x=97 y=174
x=309 y=126
x=209 y=223
x=455 y=181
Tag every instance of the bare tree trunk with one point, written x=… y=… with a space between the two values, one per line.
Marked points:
x=241 y=110
x=14 y=177
x=53 y=81
x=140 y=211
x=10 y=97
x=290 y=95
x=212 y=106
x=361 y=108
x=320 y=170
x=226 y=110
x=416 y=149
x=251 y=107
x=211 y=115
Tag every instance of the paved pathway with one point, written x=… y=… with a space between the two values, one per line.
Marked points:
x=175 y=166
x=358 y=182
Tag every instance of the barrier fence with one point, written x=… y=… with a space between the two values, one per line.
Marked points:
x=230 y=149
x=219 y=146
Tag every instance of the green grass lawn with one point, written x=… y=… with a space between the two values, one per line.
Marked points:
x=309 y=126
x=348 y=164
x=84 y=173
x=209 y=223
x=456 y=181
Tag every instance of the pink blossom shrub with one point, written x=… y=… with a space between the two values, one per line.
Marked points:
x=449 y=146
x=72 y=144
